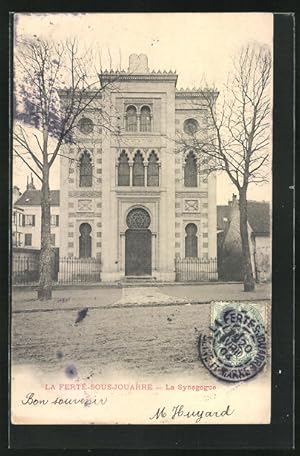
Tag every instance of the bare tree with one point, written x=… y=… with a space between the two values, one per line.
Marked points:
x=239 y=133
x=53 y=88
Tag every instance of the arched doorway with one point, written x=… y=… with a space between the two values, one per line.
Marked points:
x=138 y=243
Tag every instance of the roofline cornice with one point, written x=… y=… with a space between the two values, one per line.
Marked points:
x=197 y=93
x=153 y=76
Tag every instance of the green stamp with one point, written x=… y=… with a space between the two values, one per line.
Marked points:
x=235 y=347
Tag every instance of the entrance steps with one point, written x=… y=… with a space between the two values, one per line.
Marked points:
x=138 y=280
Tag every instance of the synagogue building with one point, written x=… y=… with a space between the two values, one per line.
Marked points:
x=137 y=200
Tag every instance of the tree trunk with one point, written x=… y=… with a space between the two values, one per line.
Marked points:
x=45 y=283
x=249 y=283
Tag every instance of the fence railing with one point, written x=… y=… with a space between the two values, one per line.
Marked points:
x=79 y=270
x=196 y=269
x=25 y=270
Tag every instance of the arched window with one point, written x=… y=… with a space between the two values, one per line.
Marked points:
x=138 y=170
x=85 y=241
x=153 y=171
x=123 y=170
x=191 y=241
x=131 y=119
x=145 y=119
x=85 y=170
x=190 y=171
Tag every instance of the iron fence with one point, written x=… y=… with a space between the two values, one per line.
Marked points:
x=196 y=269
x=25 y=270
x=79 y=270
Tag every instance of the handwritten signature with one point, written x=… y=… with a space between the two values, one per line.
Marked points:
x=178 y=411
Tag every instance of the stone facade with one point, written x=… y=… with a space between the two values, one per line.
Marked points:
x=148 y=112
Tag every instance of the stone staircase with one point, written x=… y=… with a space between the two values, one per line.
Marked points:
x=138 y=280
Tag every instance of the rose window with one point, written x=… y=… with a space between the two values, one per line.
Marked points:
x=138 y=219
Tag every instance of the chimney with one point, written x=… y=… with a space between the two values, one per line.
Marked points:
x=234 y=206
x=30 y=185
x=138 y=63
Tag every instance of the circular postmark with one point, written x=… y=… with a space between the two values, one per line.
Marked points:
x=235 y=347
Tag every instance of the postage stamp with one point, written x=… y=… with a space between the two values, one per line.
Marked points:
x=235 y=348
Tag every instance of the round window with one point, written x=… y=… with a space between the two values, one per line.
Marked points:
x=190 y=126
x=138 y=219
x=86 y=125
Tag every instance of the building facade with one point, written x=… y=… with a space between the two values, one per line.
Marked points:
x=26 y=224
x=134 y=198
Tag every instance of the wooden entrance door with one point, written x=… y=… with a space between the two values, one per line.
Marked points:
x=138 y=252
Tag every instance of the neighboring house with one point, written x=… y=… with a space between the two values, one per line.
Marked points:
x=29 y=206
x=229 y=241
x=133 y=200
x=17 y=219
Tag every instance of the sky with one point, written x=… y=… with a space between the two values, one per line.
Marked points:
x=196 y=45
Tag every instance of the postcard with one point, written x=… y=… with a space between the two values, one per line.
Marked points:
x=141 y=234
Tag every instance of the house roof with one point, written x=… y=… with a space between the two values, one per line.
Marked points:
x=33 y=198
x=258 y=216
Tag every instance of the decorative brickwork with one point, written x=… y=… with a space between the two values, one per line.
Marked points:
x=85 y=194
x=191 y=205
x=191 y=194
x=85 y=205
